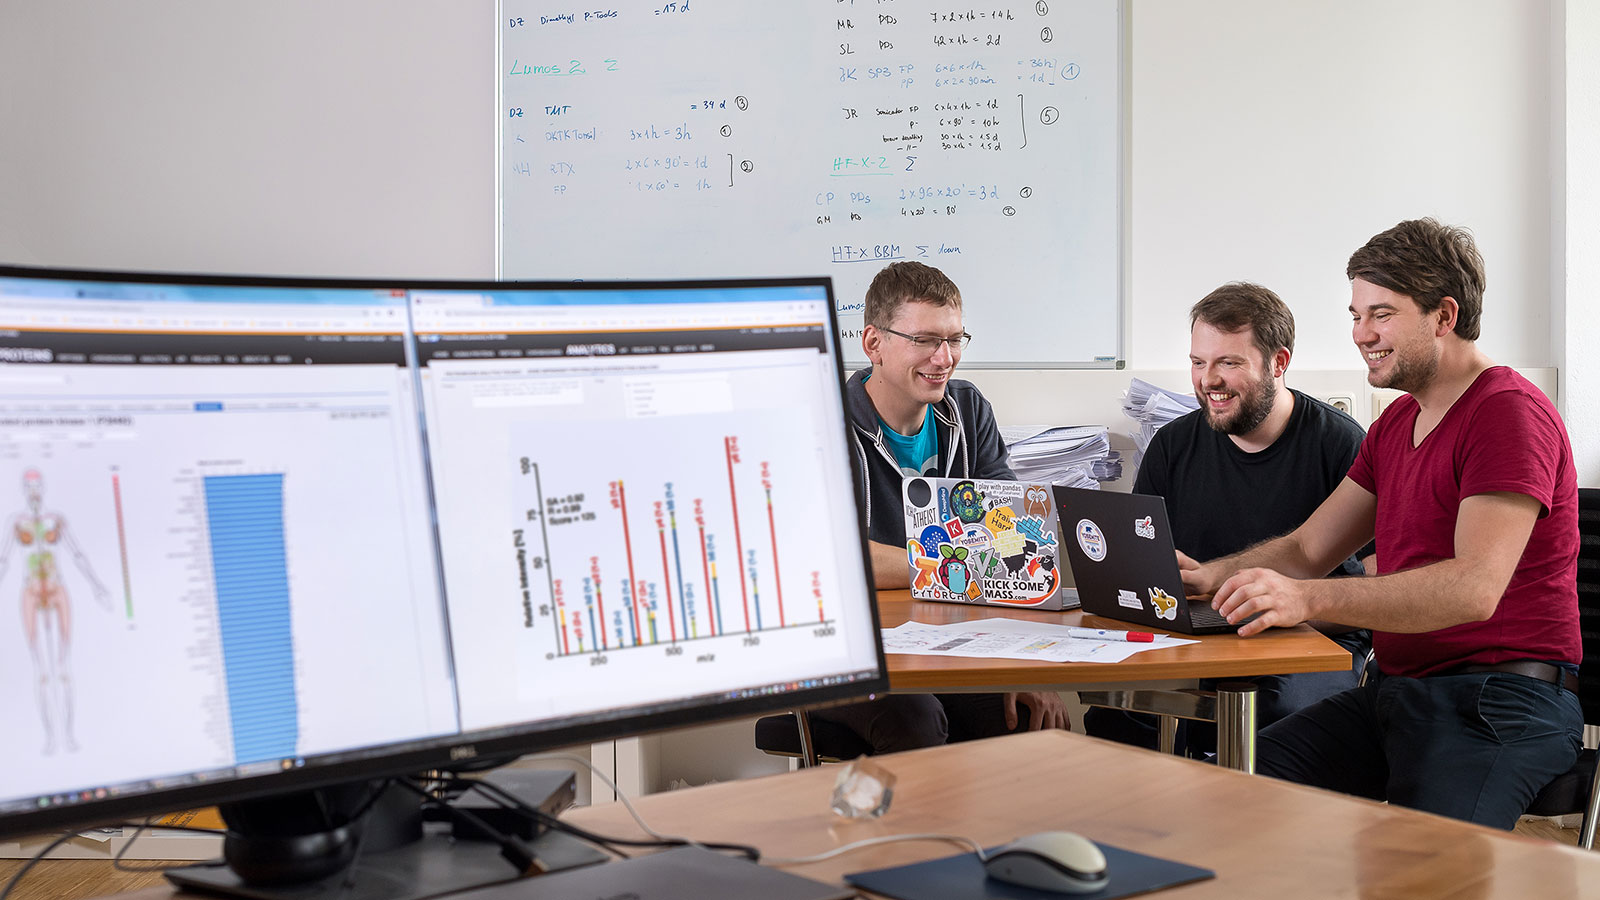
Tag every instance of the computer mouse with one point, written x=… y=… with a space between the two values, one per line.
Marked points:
x=1059 y=861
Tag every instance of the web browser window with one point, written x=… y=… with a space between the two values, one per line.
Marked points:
x=204 y=590
x=636 y=495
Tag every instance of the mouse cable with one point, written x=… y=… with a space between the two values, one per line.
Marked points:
x=967 y=842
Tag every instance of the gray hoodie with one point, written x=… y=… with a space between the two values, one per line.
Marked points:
x=969 y=447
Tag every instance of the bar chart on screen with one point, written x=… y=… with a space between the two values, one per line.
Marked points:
x=707 y=538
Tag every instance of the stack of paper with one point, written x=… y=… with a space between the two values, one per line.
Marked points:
x=1073 y=456
x=1152 y=407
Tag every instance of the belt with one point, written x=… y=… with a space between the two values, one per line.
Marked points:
x=1532 y=668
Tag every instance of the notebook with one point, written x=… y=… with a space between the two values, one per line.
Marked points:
x=981 y=541
x=1120 y=549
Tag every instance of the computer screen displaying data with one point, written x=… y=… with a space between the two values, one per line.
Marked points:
x=641 y=496
x=216 y=518
x=263 y=533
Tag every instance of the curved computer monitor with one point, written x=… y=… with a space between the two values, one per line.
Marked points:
x=266 y=534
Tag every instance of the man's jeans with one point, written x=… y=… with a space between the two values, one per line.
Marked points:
x=1476 y=746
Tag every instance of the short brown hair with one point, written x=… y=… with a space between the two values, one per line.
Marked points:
x=1427 y=261
x=1238 y=305
x=904 y=282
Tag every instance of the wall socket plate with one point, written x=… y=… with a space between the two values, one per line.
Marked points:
x=1342 y=402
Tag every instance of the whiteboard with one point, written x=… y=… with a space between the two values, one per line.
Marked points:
x=731 y=138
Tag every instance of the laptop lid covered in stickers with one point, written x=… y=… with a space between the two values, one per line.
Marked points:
x=1120 y=549
x=985 y=541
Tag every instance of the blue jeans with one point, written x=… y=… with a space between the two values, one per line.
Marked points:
x=1476 y=747
x=1277 y=696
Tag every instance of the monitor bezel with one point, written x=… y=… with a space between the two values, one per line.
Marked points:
x=464 y=750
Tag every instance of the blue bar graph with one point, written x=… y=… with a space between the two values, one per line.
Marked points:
x=244 y=515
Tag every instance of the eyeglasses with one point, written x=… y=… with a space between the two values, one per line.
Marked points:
x=929 y=344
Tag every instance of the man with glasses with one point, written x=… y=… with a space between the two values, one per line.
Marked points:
x=909 y=417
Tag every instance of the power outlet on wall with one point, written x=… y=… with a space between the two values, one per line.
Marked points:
x=1342 y=402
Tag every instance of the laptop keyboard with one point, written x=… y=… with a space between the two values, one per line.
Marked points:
x=1203 y=615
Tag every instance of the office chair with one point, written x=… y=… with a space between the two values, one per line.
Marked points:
x=813 y=741
x=1578 y=789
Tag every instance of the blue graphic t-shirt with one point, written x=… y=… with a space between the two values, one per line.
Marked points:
x=917 y=454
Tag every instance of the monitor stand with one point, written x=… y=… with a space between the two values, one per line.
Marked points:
x=401 y=857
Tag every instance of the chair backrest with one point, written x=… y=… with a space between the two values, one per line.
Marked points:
x=1589 y=602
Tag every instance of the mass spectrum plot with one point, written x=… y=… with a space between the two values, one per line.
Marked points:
x=713 y=536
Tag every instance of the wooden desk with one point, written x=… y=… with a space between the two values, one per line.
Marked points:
x=1264 y=838
x=1278 y=651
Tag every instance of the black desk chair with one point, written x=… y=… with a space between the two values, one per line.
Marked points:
x=1578 y=789
x=812 y=741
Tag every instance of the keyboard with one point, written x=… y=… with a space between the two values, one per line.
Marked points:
x=1202 y=615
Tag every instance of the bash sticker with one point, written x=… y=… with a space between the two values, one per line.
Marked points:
x=1092 y=542
x=1166 y=605
x=966 y=503
x=1145 y=528
x=1129 y=599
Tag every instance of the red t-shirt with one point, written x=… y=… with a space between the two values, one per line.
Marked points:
x=1501 y=435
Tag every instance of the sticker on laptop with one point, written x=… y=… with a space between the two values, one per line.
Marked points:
x=953 y=571
x=1036 y=500
x=1090 y=540
x=1166 y=605
x=972 y=537
x=1000 y=519
x=966 y=503
x=932 y=537
x=1145 y=528
x=1129 y=599
x=1032 y=528
x=926 y=566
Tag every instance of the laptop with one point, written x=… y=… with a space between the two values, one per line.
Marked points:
x=985 y=541
x=1120 y=549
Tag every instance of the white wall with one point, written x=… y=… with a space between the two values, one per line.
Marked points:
x=1576 y=323
x=1267 y=141
x=1271 y=139
x=291 y=137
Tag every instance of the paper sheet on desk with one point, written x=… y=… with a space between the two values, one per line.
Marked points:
x=1012 y=639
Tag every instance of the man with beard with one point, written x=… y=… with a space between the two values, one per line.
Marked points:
x=1469 y=486
x=1251 y=463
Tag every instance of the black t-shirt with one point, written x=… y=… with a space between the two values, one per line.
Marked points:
x=1221 y=499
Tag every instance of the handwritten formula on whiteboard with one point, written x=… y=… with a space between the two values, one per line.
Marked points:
x=722 y=138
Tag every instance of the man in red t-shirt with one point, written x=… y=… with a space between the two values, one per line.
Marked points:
x=1468 y=486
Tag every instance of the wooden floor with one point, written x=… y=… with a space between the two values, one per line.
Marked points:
x=1548 y=829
